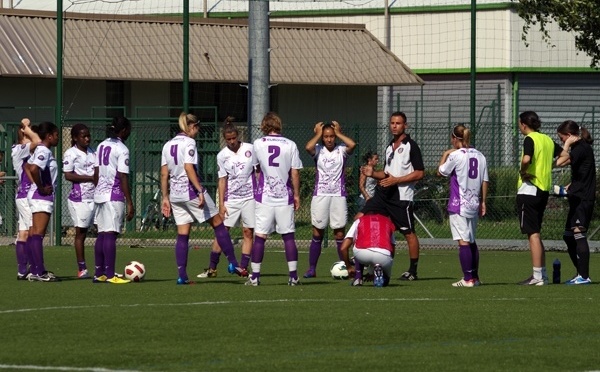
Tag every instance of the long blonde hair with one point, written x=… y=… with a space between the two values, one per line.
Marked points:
x=461 y=133
x=185 y=120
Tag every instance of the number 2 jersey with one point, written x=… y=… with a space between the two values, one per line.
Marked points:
x=112 y=158
x=276 y=156
x=176 y=153
x=467 y=169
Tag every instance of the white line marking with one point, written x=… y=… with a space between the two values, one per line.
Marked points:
x=50 y=368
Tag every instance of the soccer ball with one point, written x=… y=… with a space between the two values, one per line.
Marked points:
x=339 y=270
x=135 y=271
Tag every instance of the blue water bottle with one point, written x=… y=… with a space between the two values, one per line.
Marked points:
x=556 y=271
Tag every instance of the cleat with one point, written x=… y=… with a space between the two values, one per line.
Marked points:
x=181 y=281
x=116 y=280
x=99 y=279
x=579 y=280
x=407 y=275
x=310 y=274
x=231 y=269
x=119 y=275
x=293 y=282
x=573 y=279
x=47 y=276
x=252 y=282
x=358 y=282
x=23 y=276
x=477 y=282
x=465 y=283
x=83 y=274
x=208 y=273
x=378 y=280
x=536 y=282
x=240 y=271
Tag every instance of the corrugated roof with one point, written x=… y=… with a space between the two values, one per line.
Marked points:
x=144 y=48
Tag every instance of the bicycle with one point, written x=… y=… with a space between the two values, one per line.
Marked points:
x=153 y=216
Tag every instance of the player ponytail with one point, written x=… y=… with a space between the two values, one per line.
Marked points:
x=463 y=134
x=531 y=119
x=117 y=126
x=229 y=127
x=185 y=120
x=569 y=127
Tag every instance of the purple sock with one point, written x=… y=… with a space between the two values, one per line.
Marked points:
x=338 y=245
x=245 y=260
x=314 y=252
x=37 y=253
x=358 y=268
x=475 y=254
x=214 y=260
x=258 y=253
x=110 y=254
x=181 y=255
x=291 y=251
x=224 y=240
x=21 y=257
x=466 y=261
x=99 y=255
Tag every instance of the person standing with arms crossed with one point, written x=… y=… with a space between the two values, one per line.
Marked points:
x=535 y=181
x=581 y=194
x=366 y=185
x=467 y=169
x=328 y=205
x=27 y=141
x=277 y=195
x=395 y=190
x=78 y=168
x=111 y=196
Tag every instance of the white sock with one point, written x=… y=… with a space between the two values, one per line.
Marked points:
x=537 y=273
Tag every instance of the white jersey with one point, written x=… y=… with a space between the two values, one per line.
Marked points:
x=405 y=159
x=176 y=153
x=276 y=156
x=44 y=159
x=20 y=154
x=112 y=157
x=331 y=171
x=237 y=167
x=82 y=163
x=467 y=169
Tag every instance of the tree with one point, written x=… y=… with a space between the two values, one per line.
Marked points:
x=581 y=17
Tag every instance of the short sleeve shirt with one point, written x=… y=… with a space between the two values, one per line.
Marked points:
x=82 y=163
x=112 y=158
x=330 y=171
x=237 y=167
x=176 y=153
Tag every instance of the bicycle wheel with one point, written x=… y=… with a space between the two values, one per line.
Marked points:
x=148 y=217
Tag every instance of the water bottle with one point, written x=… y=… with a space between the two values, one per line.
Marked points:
x=556 y=271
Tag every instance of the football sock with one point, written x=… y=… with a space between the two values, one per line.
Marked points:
x=314 y=252
x=291 y=253
x=475 y=262
x=466 y=261
x=245 y=260
x=537 y=273
x=181 y=255
x=81 y=265
x=224 y=240
x=214 y=260
x=358 y=269
x=110 y=254
x=258 y=252
x=583 y=253
x=569 y=238
x=37 y=253
x=99 y=255
x=338 y=244
x=414 y=262
x=21 y=257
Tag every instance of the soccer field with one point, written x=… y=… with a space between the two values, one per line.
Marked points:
x=322 y=325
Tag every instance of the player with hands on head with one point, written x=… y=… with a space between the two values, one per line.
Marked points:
x=466 y=168
x=42 y=171
x=184 y=195
x=112 y=195
x=328 y=205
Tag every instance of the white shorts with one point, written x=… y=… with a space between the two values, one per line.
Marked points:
x=24 y=213
x=244 y=210
x=375 y=256
x=38 y=205
x=329 y=209
x=463 y=228
x=269 y=219
x=109 y=216
x=188 y=211
x=82 y=213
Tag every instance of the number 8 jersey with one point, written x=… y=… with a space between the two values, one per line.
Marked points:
x=276 y=156
x=176 y=153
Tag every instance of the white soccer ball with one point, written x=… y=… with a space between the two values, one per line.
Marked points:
x=135 y=271
x=339 y=270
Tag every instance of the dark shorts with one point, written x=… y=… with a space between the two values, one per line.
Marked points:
x=389 y=204
x=580 y=214
x=531 y=211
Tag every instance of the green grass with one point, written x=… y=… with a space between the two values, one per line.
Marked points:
x=220 y=324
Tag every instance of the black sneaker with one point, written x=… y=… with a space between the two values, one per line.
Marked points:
x=23 y=276
x=408 y=276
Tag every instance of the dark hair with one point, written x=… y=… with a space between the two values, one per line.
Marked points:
x=118 y=124
x=228 y=126
x=571 y=127
x=44 y=128
x=531 y=119
x=399 y=113
x=463 y=134
x=368 y=156
x=76 y=130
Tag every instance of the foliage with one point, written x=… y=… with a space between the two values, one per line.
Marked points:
x=580 y=17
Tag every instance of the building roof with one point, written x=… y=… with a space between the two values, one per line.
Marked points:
x=150 y=48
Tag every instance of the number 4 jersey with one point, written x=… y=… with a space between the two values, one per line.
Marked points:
x=176 y=153
x=276 y=156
